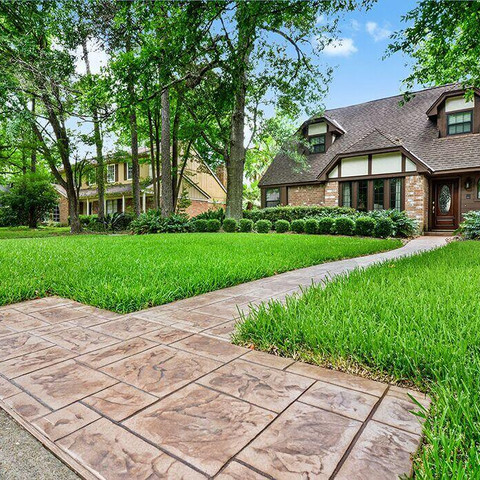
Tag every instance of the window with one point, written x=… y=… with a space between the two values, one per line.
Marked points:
x=347 y=194
x=460 y=122
x=272 y=197
x=378 y=194
x=362 y=195
x=56 y=214
x=129 y=171
x=396 y=193
x=111 y=173
x=318 y=144
x=111 y=206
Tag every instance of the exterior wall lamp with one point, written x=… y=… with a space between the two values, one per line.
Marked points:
x=468 y=183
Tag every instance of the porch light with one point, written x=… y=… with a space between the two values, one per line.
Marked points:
x=468 y=183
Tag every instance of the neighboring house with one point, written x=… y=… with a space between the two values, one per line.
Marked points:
x=422 y=157
x=204 y=188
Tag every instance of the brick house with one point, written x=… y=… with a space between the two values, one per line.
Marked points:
x=422 y=156
x=204 y=188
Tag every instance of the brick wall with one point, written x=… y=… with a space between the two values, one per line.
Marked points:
x=198 y=207
x=416 y=199
x=306 y=195
x=331 y=194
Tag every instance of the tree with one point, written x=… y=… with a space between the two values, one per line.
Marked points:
x=443 y=41
x=30 y=198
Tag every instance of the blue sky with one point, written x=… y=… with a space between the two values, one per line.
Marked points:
x=361 y=74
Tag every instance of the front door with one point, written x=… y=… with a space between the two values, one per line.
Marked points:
x=445 y=204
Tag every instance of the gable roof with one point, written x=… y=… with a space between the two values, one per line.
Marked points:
x=384 y=123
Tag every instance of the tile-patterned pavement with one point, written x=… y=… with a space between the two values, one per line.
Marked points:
x=162 y=393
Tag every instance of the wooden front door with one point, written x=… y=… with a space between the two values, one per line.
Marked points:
x=445 y=204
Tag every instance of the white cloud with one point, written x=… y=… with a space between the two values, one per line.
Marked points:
x=97 y=57
x=342 y=47
x=355 y=25
x=378 y=33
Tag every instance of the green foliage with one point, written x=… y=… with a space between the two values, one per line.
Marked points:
x=470 y=227
x=414 y=320
x=403 y=225
x=25 y=232
x=29 y=200
x=295 y=213
x=311 y=226
x=344 y=226
x=384 y=227
x=282 y=226
x=365 y=226
x=201 y=225
x=245 y=225
x=213 y=225
x=230 y=225
x=213 y=213
x=326 y=225
x=153 y=222
x=263 y=226
x=298 y=226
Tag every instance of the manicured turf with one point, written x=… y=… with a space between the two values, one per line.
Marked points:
x=25 y=232
x=127 y=273
x=413 y=320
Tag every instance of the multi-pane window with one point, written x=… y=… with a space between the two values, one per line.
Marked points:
x=460 y=122
x=129 y=171
x=318 y=144
x=111 y=206
x=347 y=196
x=362 y=195
x=111 y=173
x=272 y=197
x=396 y=193
x=56 y=213
x=378 y=194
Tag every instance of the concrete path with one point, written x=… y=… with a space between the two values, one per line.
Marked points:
x=161 y=393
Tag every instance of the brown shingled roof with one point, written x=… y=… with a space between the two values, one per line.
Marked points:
x=382 y=124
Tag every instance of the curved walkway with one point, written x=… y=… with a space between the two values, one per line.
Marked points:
x=161 y=394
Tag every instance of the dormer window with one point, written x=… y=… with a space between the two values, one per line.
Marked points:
x=459 y=122
x=318 y=144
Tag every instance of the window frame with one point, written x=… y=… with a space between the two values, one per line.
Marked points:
x=56 y=213
x=114 y=165
x=112 y=202
x=462 y=112
x=267 y=202
x=321 y=144
x=129 y=171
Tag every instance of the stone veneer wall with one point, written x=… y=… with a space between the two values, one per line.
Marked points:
x=63 y=208
x=306 y=195
x=331 y=194
x=416 y=199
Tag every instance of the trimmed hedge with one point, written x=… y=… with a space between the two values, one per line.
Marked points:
x=230 y=225
x=201 y=225
x=282 y=226
x=213 y=225
x=263 y=226
x=344 y=226
x=365 y=226
x=384 y=227
x=326 y=225
x=245 y=225
x=298 y=226
x=311 y=226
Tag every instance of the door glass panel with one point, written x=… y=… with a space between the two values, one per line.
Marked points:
x=444 y=199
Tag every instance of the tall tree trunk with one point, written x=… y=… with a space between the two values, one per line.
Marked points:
x=175 y=129
x=152 y=155
x=100 y=170
x=167 y=190
x=156 y=123
x=32 y=221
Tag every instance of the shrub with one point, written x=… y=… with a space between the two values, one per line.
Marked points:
x=176 y=223
x=213 y=213
x=403 y=225
x=152 y=222
x=213 y=225
x=295 y=213
x=365 y=226
x=282 y=226
x=344 y=226
x=230 y=225
x=325 y=225
x=311 y=226
x=245 y=225
x=470 y=227
x=298 y=226
x=201 y=225
x=263 y=226
x=384 y=227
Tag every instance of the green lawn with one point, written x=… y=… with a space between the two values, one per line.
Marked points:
x=126 y=273
x=25 y=232
x=415 y=320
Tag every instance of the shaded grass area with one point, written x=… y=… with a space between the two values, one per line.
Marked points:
x=129 y=273
x=25 y=232
x=414 y=320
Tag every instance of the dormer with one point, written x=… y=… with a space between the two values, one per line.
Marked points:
x=321 y=132
x=456 y=115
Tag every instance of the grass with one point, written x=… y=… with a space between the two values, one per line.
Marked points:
x=127 y=273
x=416 y=321
x=25 y=232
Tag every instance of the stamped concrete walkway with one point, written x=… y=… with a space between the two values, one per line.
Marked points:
x=161 y=393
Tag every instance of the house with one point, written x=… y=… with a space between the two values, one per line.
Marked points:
x=204 y=188
x=421 y=156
